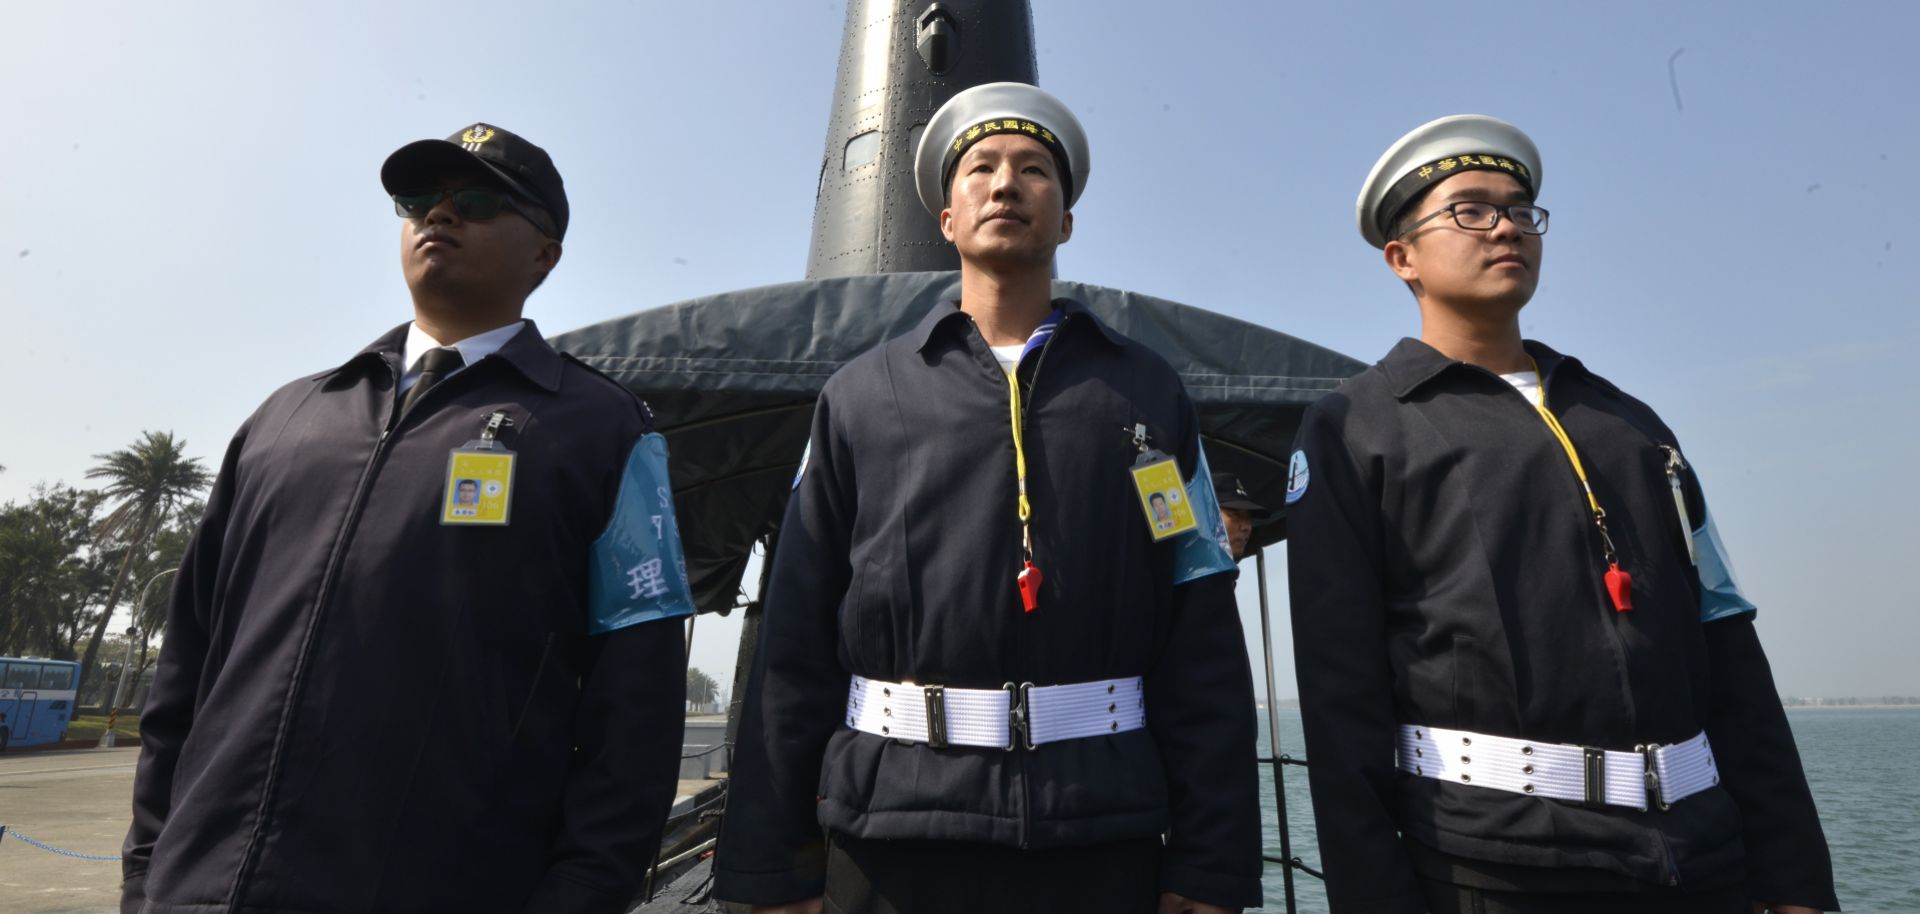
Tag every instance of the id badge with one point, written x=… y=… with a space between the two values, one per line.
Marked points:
x=479 y=487
x=1163 y=495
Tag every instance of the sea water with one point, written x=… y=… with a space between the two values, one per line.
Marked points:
x=1863 y=765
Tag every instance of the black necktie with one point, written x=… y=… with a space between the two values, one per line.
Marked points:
x=435 y=365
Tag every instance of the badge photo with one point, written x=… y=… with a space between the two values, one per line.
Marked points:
x=479 y=486
x=1163 y=496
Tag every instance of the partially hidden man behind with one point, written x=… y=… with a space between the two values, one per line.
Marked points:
x=1528 y=681
x=982 y=671
x=375 y=698
x=1238 y=511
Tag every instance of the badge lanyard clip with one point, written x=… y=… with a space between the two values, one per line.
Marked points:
x=1029 y=577
x=1619 y=582
x=1675 y=466
x=495 y=423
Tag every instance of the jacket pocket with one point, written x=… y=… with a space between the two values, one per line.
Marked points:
x=1469 y=682
x=518 y=712
x=1486 y=697
x=870 y=618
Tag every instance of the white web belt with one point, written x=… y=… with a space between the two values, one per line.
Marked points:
x=1650 y=775
x=1003 y=718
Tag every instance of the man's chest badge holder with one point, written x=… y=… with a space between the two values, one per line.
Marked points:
x=479 y=484
x=1162 y=493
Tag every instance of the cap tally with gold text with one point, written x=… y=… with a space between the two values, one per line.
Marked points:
x=1433 y=152
x=991 y=110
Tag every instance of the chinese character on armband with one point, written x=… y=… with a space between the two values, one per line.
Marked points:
x=647 y=579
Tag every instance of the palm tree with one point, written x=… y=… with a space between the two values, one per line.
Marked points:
x=702 y=691
x=149 y=479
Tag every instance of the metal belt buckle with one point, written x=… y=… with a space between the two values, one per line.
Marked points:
x=1019 y=730
x=1654 y=799
x=936 y=716
x=1595 y=771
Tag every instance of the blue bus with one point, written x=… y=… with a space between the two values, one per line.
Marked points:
x=36 y=700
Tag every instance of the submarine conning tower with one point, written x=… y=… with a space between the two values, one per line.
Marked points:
x=900 y=60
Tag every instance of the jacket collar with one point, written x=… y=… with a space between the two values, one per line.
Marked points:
x=945 y=316
x=527 y=352
x=1412 y=363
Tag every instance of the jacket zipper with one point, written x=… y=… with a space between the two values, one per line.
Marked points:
x=539 y=672
x=1019 y=738
x=263 y=813
x=1612 y=623
x=1020 y=749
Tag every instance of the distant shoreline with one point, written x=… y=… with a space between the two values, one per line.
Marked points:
x=1863 y=707
x=1293 y=704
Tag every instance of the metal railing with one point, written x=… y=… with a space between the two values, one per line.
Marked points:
x=1278 y=760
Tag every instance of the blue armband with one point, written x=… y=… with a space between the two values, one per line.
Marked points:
x=1203 y=550
x=638 y=572
x=1720 y=596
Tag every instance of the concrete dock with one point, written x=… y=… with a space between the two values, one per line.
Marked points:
x=77 y=800
x=80 y=800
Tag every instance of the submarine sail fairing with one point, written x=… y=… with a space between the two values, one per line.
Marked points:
x=899 y=62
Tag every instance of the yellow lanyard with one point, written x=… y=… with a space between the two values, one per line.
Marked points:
x=1029 y=578
x=1019 y=459
x=1566 y=443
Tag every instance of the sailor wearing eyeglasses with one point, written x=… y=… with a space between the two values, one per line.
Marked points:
x=1527 y=678
x=415 y=658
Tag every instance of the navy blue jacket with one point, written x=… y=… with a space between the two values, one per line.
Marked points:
x=897 y=561
x=359 y=709
x=1445 y=570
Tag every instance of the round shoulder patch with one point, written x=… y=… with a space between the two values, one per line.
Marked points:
x=1297 y=476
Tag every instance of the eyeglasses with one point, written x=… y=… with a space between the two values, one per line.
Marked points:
x=1482 y=217
x=471 y=203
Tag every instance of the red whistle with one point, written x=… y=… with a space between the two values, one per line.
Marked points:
x=1030 y=587
x=1620 y=587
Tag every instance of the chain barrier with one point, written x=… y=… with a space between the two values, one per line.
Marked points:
x=8 y=831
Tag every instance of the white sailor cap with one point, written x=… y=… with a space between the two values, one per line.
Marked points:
x=1432 y=152
x=990 y=110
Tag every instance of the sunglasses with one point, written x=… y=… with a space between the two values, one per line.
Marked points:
x=471 y=203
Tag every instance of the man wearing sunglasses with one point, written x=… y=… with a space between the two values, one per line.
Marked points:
x=1528 y=680
x=415 y=657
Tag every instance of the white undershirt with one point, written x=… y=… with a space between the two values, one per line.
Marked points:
x=1527 y=383
x=1008 y=356
x=472 y=349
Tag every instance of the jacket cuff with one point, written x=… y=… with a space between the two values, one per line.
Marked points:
x=765 y=888
x=1209 y=887
x=133 y=893
x=1810 y=893
x=560 y=895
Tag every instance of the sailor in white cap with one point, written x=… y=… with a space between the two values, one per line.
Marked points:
x=989 y=671
x=1528 y=680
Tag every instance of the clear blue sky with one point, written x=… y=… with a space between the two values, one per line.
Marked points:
x=191 y=215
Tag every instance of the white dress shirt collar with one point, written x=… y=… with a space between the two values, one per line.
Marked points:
x=472 y=349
